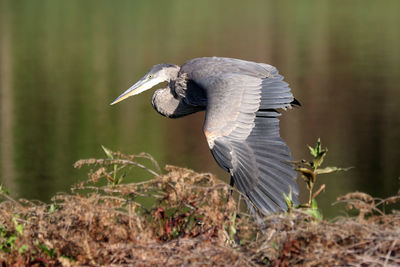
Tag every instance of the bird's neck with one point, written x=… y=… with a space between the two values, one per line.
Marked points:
x=168 y=104
x=172 y=73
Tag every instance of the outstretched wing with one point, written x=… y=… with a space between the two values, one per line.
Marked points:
x=242 y=128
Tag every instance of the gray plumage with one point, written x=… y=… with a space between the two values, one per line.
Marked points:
x=241 y=100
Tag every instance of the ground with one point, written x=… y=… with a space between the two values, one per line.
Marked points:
x=182 y=218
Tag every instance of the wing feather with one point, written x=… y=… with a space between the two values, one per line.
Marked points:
x=242 y=128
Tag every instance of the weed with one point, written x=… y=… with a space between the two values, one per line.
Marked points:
x=8 y=237
x=309 y=171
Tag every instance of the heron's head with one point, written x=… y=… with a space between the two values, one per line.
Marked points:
x=157 y=74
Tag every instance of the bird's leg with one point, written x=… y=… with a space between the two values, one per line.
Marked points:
x=231 y=183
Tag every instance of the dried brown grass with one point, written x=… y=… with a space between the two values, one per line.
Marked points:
x=185 y=218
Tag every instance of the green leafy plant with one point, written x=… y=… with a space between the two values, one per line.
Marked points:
x=114 y=179
x=289 y=201
x=53 y=208
x=48 y=251
x=309 y=171
x=18 y=227
x=314 y=211
x=23 y=249
x=8 y=237
x=230 y=228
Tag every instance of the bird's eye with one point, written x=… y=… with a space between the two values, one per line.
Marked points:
x=150 y=76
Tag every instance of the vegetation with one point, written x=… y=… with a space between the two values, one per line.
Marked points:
x=184 y=217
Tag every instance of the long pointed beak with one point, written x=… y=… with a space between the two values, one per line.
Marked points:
x=135 y=89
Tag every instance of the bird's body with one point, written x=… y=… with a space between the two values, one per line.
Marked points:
x=241 y=99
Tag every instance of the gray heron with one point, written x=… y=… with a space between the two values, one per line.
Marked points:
x=242 y=101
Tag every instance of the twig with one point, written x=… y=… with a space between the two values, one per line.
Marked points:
x=11 y=199
x=389 y=252
x=81 y=162
x=322 y=188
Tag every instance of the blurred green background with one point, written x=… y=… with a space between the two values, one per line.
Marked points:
x=63 y=62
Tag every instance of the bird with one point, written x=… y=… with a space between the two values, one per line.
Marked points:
x=242 y=101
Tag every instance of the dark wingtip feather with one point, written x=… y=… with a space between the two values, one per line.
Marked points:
x=295 y=102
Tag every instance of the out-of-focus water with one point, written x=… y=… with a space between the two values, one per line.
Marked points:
x=63 y=62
